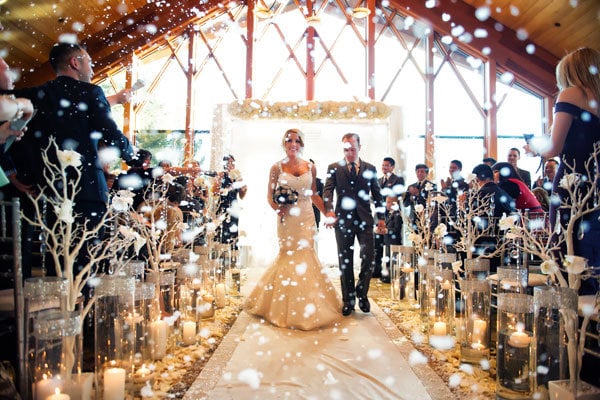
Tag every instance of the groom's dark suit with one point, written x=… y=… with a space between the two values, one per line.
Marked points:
x=354 y=219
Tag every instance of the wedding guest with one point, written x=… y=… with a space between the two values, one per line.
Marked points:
x=575 y=131
x=231 y=188
x=452 y=187
x=542 y=195
x=503 y=203
x=489 y=161
x=508 y=179
x=393 y=223
x=545 y=182
x=62 y=116
x=418 y=192
x=137 y=178
x=391 y=185
x=354 y=181
x=514 y=155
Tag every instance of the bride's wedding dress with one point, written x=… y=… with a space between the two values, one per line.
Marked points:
x=295 y=292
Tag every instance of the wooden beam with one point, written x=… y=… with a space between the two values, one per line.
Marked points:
x=508 y=51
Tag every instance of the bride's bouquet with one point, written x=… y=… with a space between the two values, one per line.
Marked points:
x=285 y=195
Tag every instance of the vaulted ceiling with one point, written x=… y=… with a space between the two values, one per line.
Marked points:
x=112 y=29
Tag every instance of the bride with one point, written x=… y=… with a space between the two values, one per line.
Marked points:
x=295 y=292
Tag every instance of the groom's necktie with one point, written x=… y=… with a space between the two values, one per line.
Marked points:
x=353 y=170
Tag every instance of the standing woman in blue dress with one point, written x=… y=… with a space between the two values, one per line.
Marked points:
x=575 y=130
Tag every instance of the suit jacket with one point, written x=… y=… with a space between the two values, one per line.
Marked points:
x=361 y=192
x=525 y=176
x=77 y=114
x=394 y=183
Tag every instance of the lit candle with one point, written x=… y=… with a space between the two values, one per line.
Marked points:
x=46 y=387
x=204 y=306
x=159 y=333
x=114 y=384
x=519 y=339
x=446 y=285
x=479 y=331
x=439 y=328
x=406 y=268
x=80 y=387
x=196 y=284
x=189 y=332
x=58 y=395
x=220 y=295
x=477 y=346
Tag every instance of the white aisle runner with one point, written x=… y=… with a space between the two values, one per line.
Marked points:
x=364 y=357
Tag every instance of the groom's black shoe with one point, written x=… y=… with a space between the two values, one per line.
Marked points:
x=347 y=310
x=364 y=305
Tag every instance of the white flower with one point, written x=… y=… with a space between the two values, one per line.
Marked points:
x=419 y=208
x=64 y=212
x=440 y=230
x=122 y=203
x=168 y=178
x=507 y=222
x=69 y=158
x=131 y=235
x=575 y=264
x=569 y=180
x=511 y=235
x=471 y=178
x=413 y=237
x=549 y=267
x=428 y=186
x=235 y=175
x=457 y=267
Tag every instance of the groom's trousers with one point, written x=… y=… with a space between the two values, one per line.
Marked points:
x=345 y=236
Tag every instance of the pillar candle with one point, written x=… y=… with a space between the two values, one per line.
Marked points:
x=46 y=387
x=58 y=395
x=519 y=339
x=160 y=334
x=479 y=330
x=220 y=295
x=439 y=329
x=189 y=332
x=114 y=383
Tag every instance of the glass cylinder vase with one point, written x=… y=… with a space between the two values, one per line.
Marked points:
x=515 y=361
x=115 y=335
x=57 y=351
x=551 y=339
x=477 y=268
x=475 y=333
x=402 y=273
x=442 y=305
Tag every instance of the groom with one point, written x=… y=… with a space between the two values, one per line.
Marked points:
x=355 y=183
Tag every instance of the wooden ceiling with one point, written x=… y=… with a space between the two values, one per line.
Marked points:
x=112 y=28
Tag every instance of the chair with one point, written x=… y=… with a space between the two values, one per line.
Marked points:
x=10 y=234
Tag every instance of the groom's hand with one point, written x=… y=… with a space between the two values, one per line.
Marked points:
x=330 y=220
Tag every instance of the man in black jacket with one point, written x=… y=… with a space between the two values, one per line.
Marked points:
x=77 y=114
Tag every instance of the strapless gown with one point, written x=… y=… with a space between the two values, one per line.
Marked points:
x=295 y=292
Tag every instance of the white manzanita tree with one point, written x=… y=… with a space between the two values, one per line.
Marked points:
x=67 y=235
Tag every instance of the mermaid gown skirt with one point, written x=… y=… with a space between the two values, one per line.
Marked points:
x=295 y=292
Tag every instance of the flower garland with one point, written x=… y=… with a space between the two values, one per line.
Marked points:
x=308 y=110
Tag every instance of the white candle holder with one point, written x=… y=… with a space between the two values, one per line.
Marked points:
x=115 y=335
x=515 y=360
x=475 y=335
x=441 y=312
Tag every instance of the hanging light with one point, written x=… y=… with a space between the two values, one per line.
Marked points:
x=360 y=12
x=262 y=11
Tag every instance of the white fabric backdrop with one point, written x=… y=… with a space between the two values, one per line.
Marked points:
x=256 y=145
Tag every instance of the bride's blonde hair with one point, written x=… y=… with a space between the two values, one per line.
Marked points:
x=289 y=132
x=580 y=69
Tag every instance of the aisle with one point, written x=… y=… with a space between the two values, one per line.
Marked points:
x=364 y=357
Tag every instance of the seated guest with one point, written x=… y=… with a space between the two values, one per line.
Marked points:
x=489 y=161
x=169 y=214
x=503 y=205
x=508 y=179
x=542 y=195
x=138 y=177
x=550 y=169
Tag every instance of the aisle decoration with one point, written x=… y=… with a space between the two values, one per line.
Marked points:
x=308 y=110
x=66 y=236
x=555 y=247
